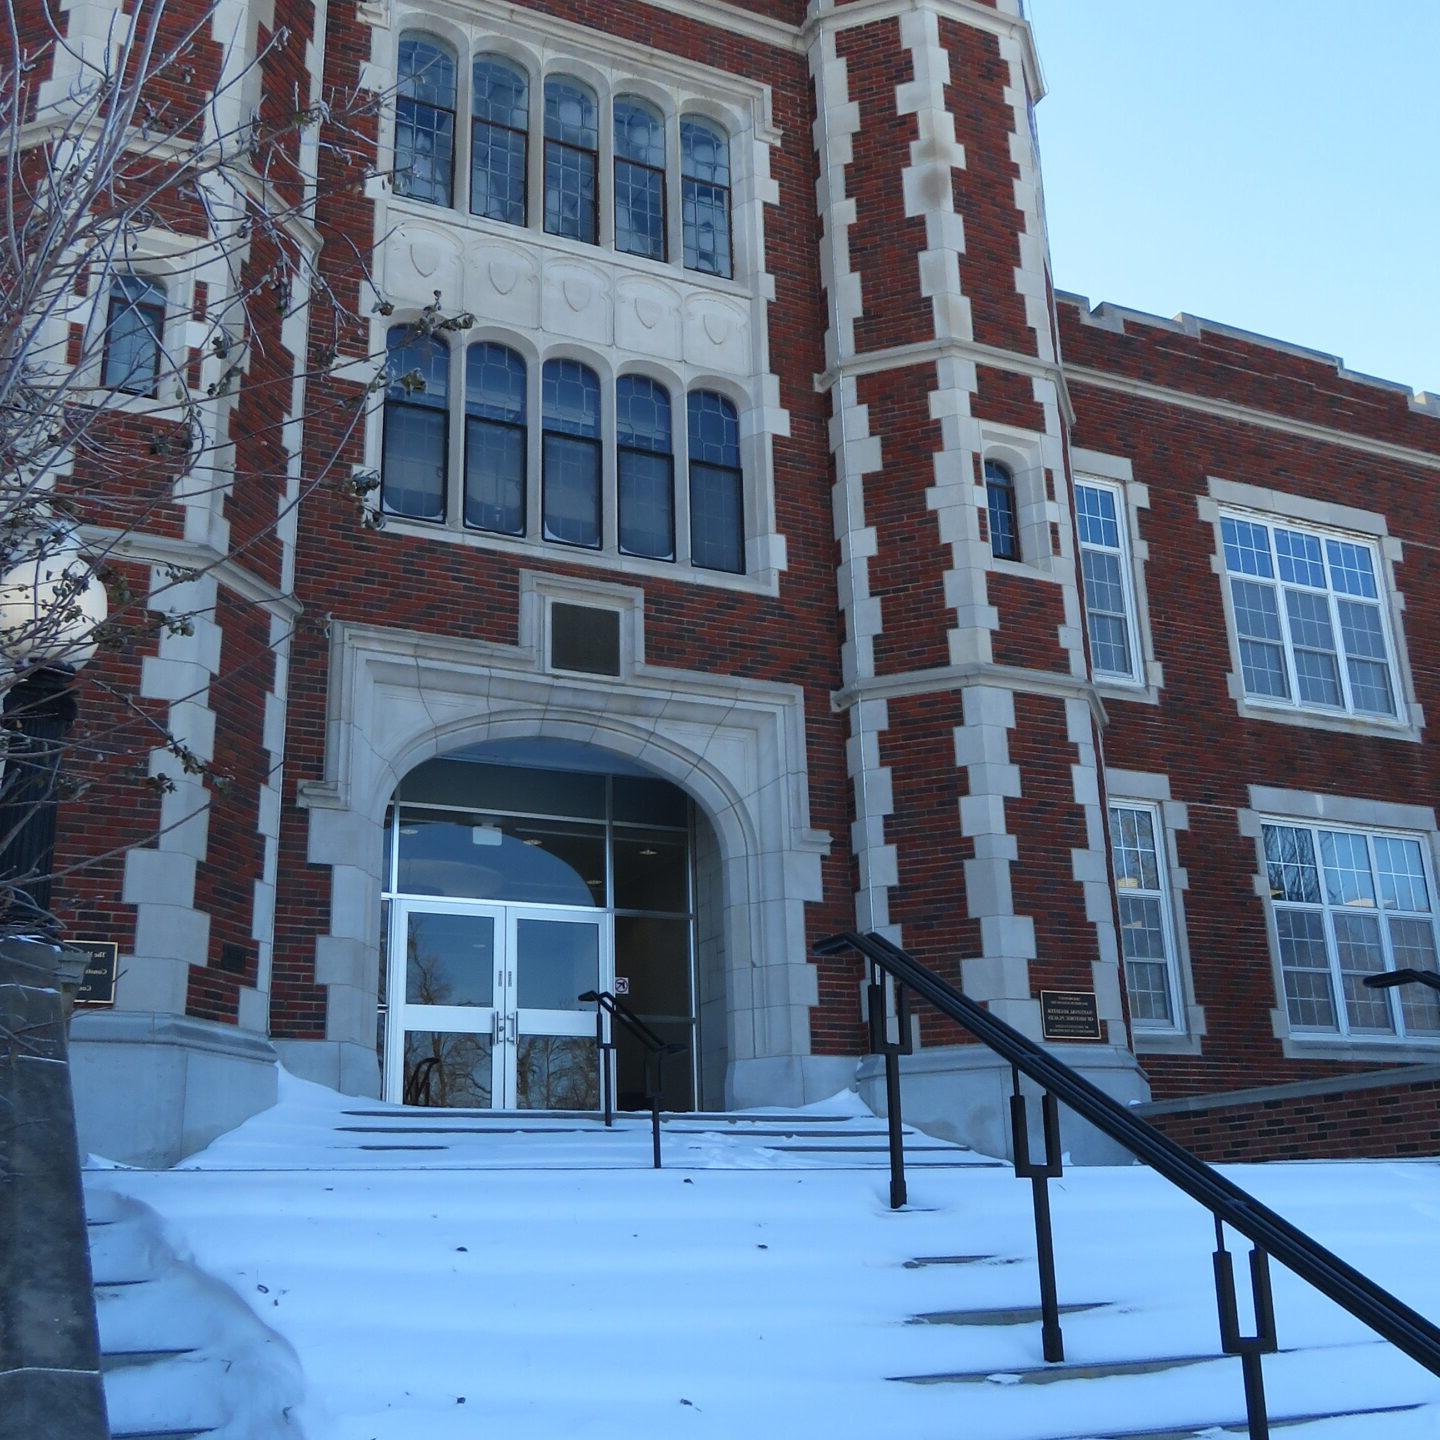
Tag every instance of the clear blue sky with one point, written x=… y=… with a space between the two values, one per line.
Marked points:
x=1272 y=164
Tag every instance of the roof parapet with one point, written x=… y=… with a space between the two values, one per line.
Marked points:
x=1112 y=317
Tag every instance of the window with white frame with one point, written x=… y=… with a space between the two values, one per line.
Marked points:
x=1309 y=617
x=660 y=165
x=608 y=455
x=1100 y=521
x=1349 y=903
x=1146 y=928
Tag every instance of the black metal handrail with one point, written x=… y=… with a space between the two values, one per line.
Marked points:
x=1269 y=1232
x=1388 y=979
x=608 y=1007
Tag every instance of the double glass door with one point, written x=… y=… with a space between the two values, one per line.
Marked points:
x=484 y=1007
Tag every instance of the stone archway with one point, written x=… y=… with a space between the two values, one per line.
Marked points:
x=737 y=748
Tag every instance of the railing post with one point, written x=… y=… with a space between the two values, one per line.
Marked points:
x=892 y=1050
x=605 y=1050
x=654 y=1088
x=1248 y=1347
x=1052 y=1341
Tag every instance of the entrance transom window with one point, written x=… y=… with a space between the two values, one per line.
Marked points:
x=511 y=891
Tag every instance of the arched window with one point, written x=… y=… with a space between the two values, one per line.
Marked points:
x=134 y=335
x=499 y=139
x=717 y=503
x=495 y=439
x=645 y=468
x=1000 y=503
x=639 y=178
x=417 y=426
x=705 y=196
x=425 y=119
x=572 y=160
x=570 y=452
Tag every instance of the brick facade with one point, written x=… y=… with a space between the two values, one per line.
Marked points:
x=949 y=753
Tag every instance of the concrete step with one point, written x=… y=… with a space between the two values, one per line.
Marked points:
x=921 y=1262
x=113 y=1360
x=1012 y=1315
x=159 y=1434
x=1213 y=1429
x=1063 y=1370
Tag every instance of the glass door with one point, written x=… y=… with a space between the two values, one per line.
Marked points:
x=556 y=958
x=446 y=985
x=486 y=1011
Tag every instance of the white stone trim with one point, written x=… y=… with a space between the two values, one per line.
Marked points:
x=398 y=697
x=1001 y=973
x=1090 y=868
x=1003 y=19
x=857 y=453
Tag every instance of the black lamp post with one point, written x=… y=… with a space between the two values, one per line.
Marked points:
x=1388 y=979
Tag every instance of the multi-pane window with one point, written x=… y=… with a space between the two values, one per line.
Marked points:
x=1347 y=904
x=417 y=426
x=645 y=468
x=639 y=178
x=572 y=160
x=570 y=453
x=644 y=189
x=1001 y=511
x=500 y=109
x=425 y=119
x=717 y=504
x=705 y=196
x=134 y=336
x=1105 y=568
x=1309 y=617
x=493 y=483
x=1146 y=938
x=495 y=439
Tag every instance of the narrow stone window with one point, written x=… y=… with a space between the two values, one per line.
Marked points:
x=572 y=160
x=425 y=119
x=1003 y=515
x=705 y=196
x=416 y=426
x=499 y=139
x=134 y=336
x=570 y=453
x=717 y=499
x=495 y=439
x=639 y=178
x=645 y=468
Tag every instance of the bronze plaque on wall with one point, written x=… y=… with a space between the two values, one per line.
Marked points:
x=98 y=986
x=1069 y=1015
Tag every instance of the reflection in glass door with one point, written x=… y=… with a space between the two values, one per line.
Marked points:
x=484 y=1011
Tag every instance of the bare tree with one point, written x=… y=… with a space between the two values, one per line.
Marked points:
x=162 y=319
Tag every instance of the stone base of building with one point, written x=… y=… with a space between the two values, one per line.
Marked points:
x=962 y=1093
x=349 y=1068
x=787 y=1080
x=152 y=1088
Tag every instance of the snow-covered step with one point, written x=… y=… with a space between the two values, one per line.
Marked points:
x=1003 y=1315
x=181 y=1355
x=1062 y=1371
x=1213 y=1430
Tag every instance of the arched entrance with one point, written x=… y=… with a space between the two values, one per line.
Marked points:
x=517 y=876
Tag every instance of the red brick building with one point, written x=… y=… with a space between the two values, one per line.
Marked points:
x=776 y=554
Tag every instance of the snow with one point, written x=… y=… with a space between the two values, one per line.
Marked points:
x=552 y=1285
